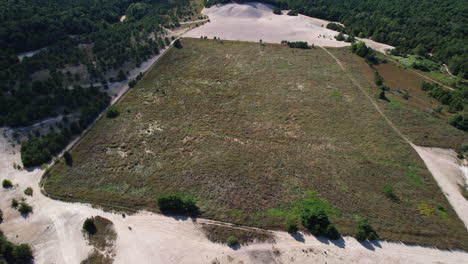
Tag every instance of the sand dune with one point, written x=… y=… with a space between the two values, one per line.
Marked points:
x=255 y=21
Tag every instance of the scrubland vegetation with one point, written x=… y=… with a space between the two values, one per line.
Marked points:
x=266 y=135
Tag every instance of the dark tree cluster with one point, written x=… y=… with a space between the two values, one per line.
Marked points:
x=177 y=204
x=454 y=99
x=14 y=254
x=365 y=52
x=317 y=222
x=298 y=44
x=73 y=33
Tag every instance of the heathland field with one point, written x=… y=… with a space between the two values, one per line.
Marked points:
x=254 y=132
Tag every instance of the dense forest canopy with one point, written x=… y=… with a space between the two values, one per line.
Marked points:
x=75 y=33
x=84 y=43
x=437 y=27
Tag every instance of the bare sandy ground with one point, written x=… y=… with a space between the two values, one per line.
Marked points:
x=255 y=21
x=449 y=175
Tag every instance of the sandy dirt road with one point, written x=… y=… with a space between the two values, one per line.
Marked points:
x=255 y=21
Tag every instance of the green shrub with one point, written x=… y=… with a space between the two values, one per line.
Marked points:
x=14 y=203
x=11 y=253
x=22 y=254
x=277 y=11
x=89 y=226
x=464 y=147
x=332 y=232
x=173 y=203
x=293 y=13
x=315 y=220
x=340 y=37
x=177 y=44
x=365 y=231
x=68 y=158
x=388 y=191
x=7 y=184
x=459 y=121
x=25 y=208
x=291 y=226
x=460 y=156
x=1 y=216
x=28 y=191
x=232 y=241
x=112 y=112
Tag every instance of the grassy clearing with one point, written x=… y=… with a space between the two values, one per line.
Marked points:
x=254 y=132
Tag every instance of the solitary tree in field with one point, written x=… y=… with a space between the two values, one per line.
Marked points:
x=177 y=44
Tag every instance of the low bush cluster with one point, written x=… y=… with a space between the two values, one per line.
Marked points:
x=177 y=204
x=317 y=222
x=291 y=226
x=25 y=208
x=365 y=52
x=277 y=11
x=297 y=44
x=365 y=230
x=28 y=191
x=7 y=184
x=89 y=226
x=232 y=241
x=112 y=111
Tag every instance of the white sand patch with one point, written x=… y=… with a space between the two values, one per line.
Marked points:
x=54 y=231
x=255 y=21
x=449 y=175
x=122 y=18
x=30 y=53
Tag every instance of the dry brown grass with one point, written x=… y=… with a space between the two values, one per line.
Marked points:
x=248 y=129
x=219 y=234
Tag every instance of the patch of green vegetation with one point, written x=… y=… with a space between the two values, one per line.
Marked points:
x=312 y=201
x=417 y=62
x=413 y=178
x=394 y=104
x=336 y=94
x=442 y=213
x=276 y=212
x=236 y=212
x=284 y=66
x=425 y=209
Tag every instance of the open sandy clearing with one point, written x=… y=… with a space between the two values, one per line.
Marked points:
x=54 y=231
x=255 y=21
